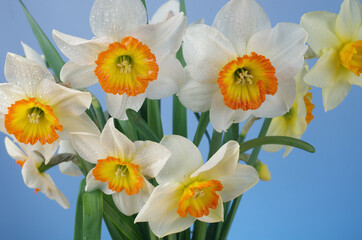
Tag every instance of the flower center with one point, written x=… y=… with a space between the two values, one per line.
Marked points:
x=119 y=174
x=244 y=82
x=31 y=121
x=351 y=57
x=126 y=67
x=198 y=197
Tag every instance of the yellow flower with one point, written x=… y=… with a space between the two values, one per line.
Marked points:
x=337 y=40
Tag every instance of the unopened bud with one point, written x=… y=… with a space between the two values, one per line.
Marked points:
x=263 y=171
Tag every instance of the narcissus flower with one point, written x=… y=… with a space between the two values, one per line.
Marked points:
x=189 y=190
x=130 y=59
x=122 y=166
x=30 y=157
x=166 y=11
x=337 y=40
x=241 y=66
x=34 y=109
x=295 y=121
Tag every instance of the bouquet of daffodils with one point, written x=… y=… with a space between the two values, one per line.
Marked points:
x=147 y=185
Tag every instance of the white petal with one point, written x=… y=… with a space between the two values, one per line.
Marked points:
x=63 y=100
x=81 y=124
x=70 y=168
x=206 y=52
x=2 y=125
x=239 y=182
x=112 y=17
x=25 y=73
x=320 y=27
x=221 y=116
x=151 y=157
x=115 y=143
x=334 y=94
x=132 y=204
x=9 y=94
x=215 y=215
x=88 y=146
x=41 y=153
x=284 y=45
x=280 y=103
x=325 y=70
x=14 y=151
x=167 y=10
x=161 y=211
x=185 y=159
x=170 y=76
x=349 y=20
x=238 y=20
x=79 y=76
x=93 y=184
x=162 y=38
x=118 y=104
x=357 y=80
x=42 y=181
x=223 y=162
x=33 y=55
x=78 y=50
x=197 y=96
x=66 y=146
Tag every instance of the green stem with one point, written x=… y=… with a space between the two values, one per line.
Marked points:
x=215 y=143
x=154 y=117
x=246 y=127
x=98 y=111
x=199 y=230
x=201 y=127
x=230 y=217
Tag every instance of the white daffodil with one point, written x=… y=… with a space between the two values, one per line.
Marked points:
x=241 y=66
x=30 y=158
x=189 y=190
x=293 y=123
x=122 y=167
x=130 y=59
x=337 y=40
x=36 y=110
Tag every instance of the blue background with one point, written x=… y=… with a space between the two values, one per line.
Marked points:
x=310 y=196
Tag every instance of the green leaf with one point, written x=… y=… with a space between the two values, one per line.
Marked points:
x=112 y=229
x=154 y=116
x=179 y=118
x=280 y=140
x=92 y=214
x=141 y=126
x=51 y=55
x=98 y=111
x=78 y=223
x=201 y=127
x=232 y=133
x=127 y=128
x=215 y=143
x=182 y=6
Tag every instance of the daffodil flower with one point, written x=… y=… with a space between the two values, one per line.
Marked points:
x=122 y=167
x=30 y=158
x=295 y=121
x=241 y=66
x=130 y=59
x=34 y=109
x=337 y=40
x=189 y=190
x=166 y=11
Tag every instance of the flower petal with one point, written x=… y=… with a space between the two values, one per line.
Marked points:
x=33 y=55
x=334 y=94
x=151 y=157
x=215 y=215
x=162 y=38
x=88 y=146
x=63 y=100
x=79 y=76
x=132 y=204
x=25 y=73
x=197 y=96
x=77 y=124
x=325 y=70
x=118 y=104
x=78 y=50
x=93 y=184
x=239 y=182
x=238 y=20
x=70 y=168
x=206 y=52
x=9 y=94
x=185 y=159
x=167 y=10
x=161 y=211
x=221 y=116
x=14 y=151
x=170 y=76
x=223 y=162
x=66 y=146
x=320 y=27
x=348 y=20
x=116 y=143
x=112 y=17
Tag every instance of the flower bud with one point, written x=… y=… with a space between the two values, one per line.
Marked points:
x=264 y=173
